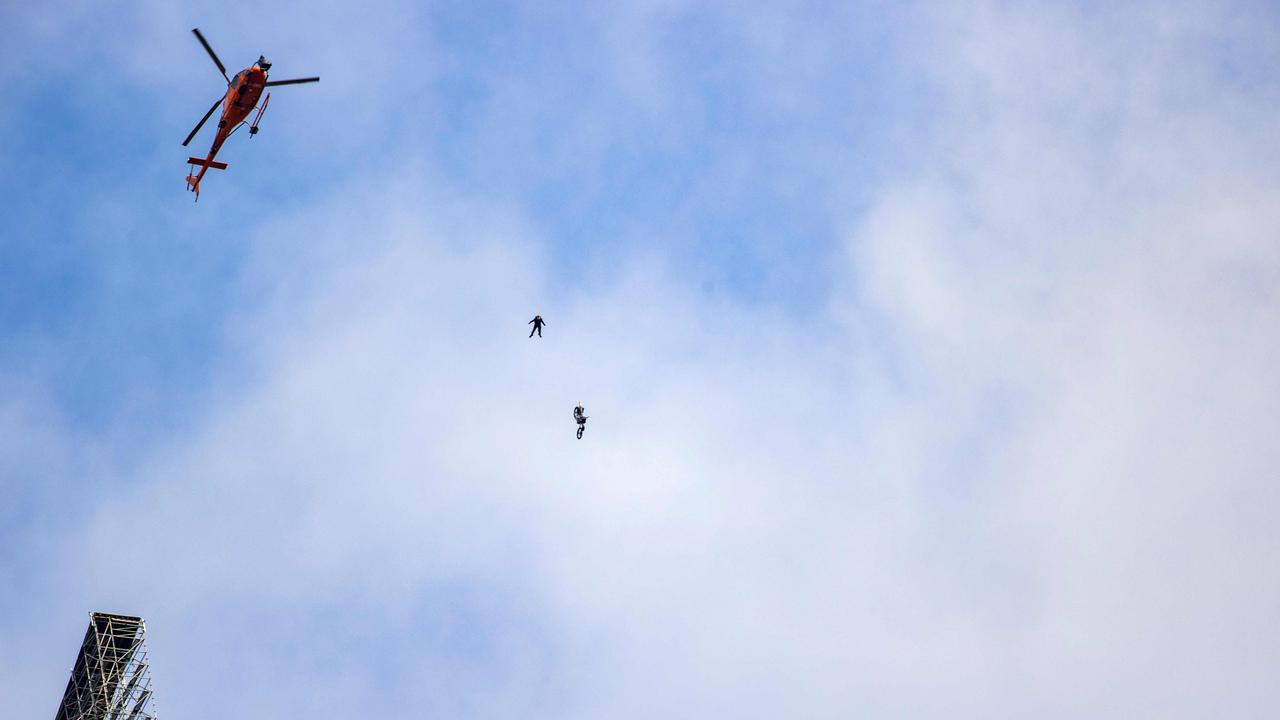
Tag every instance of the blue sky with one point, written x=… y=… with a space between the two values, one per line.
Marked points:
x=929 y=352
x=745 y=194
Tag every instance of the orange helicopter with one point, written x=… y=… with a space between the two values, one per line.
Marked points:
x=241 y=98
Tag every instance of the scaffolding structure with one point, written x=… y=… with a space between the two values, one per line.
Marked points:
x=110 y=679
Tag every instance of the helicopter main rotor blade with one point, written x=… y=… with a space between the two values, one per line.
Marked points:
x=297 y=81
x=212 y=54
x=203 y=120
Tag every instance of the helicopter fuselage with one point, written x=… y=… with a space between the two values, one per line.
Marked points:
x=242 y=97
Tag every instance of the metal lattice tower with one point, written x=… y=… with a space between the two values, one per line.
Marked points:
x=110 y=679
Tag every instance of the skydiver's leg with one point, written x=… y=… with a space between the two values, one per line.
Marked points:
x=531 y=332
x=539 y=331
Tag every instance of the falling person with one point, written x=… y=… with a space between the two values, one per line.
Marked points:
x=580 y=415
x=537 y=323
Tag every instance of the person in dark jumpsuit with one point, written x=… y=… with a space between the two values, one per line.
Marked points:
x=580 y=415
x=537 y=323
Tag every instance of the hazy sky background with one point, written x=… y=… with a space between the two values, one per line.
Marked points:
x=930 y=351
